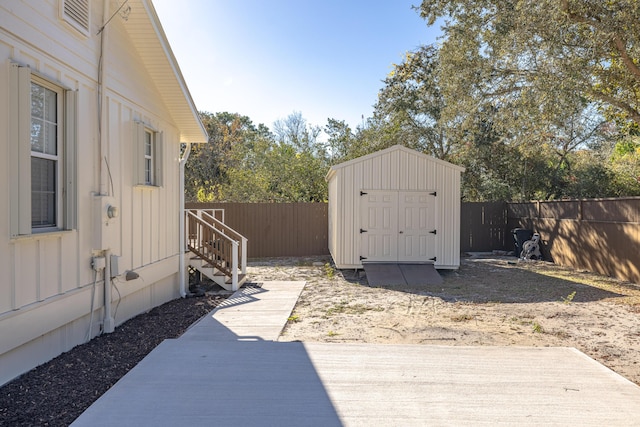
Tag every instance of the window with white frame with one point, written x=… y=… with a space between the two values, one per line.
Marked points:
x=148 y=157
x=148 y=148
x=46 y=155
x=42 y=154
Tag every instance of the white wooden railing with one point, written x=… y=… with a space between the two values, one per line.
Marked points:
x=216 y=243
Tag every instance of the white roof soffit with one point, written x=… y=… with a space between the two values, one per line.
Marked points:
x=152 y=45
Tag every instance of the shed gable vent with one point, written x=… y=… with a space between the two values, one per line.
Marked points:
x=76 y=13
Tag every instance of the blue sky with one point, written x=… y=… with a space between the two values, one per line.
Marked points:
x=266 y=59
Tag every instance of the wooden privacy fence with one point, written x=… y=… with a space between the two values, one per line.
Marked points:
x=600 y=235
x=277 y=229
x=301 y=229
x=483 y=226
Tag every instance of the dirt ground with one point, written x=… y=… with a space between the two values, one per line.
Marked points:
x=490 y=300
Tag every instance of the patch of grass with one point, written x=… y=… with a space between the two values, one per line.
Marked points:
x=343 y=307
x=593 y=280
x=569 y=298
x=332 y=333
x=560 y=334
x=462 y=318
x=537 y=328
x=294 y=319
x=336 y=309
x=329 y=271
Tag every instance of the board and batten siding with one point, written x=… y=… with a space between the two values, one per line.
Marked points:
x=400 y=169
x=46 y=279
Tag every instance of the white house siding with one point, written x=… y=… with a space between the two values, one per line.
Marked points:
x=46 y=279
x=396 y=168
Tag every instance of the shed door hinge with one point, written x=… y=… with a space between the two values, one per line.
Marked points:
x=362 y=257
x=362 y=231
x=362 y=193
x=434 y=232
x=432 y=259
x=435 y=193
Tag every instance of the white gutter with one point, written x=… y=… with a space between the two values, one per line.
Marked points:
x=182 y=269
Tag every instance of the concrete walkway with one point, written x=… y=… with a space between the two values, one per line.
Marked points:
x=228 y=370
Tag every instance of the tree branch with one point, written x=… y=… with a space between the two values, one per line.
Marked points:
x=621 y=47
x=633 y=113
x=619 y=43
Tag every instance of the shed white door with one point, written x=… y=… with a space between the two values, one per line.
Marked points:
x=416 y=226
x=397 y=226
x=379 y=231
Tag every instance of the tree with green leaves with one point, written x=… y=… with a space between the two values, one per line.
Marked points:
x=545 y=54
x=245 y=163
x=624 y=164
x=206 y=172
x=517 y=92
x=411 y=103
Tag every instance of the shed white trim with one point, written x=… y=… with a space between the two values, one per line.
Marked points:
x=348 y=163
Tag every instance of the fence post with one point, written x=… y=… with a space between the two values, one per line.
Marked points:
x=579 y=210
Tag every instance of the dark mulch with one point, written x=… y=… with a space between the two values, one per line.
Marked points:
x=56 y=393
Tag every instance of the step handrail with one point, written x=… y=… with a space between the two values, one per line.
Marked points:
x=225 y=229
x=202 y=213
x=212 y=245
x=234 y=237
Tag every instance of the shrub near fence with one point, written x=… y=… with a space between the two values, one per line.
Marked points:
x=277 y=229
x=600 y=235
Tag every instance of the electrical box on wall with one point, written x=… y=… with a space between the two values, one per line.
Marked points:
x=108 y=210
x=115 y=265
x=105 y=214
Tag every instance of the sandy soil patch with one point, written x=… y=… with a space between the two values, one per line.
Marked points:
x=494 y=301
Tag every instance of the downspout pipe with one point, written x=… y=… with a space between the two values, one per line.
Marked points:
x=182 y=238
x=108 y=324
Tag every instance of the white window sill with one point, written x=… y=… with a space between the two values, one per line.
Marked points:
x=146 y=187
x=40 y=235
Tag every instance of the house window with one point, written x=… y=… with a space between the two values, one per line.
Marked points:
x=148 y=155
x=46 y=155
x=42 y=154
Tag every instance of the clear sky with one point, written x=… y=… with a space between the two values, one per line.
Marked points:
x=266 y=59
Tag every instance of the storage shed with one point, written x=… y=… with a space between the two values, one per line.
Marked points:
x=396 y=205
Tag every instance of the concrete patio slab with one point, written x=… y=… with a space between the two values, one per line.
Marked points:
x=212 y=376
x=199 y=383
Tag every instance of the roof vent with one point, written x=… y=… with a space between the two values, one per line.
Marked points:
x=76 y=13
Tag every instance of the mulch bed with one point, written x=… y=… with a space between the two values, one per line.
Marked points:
x=57 y=392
